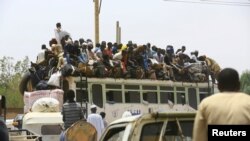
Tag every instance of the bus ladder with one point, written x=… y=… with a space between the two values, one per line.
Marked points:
x=84 y=90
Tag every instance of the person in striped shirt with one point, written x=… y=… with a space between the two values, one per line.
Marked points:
x=71 y=111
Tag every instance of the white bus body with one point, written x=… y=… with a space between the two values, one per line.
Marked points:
x=115 y=96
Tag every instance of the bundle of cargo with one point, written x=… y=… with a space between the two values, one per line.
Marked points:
x=31 y=97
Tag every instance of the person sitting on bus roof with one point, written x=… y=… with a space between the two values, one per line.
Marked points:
x=108 y=50
x=83 y=51
x=213 y=67
x=59 y=33
x=91 y=54
x=114 y=48
x=158 y=56
x=182 y=50
x=194 y=56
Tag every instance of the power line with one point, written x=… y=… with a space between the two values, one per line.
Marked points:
x=227 y=2
x=214 y=2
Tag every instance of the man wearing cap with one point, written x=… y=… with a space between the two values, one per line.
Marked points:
x=96 y=120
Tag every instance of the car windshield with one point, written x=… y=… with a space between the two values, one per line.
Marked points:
x=115 y=133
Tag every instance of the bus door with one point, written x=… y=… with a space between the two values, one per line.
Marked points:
x=192 y=98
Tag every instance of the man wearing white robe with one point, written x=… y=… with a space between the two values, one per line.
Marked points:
x=96 y=120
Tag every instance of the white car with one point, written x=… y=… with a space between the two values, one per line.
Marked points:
x=164 y=126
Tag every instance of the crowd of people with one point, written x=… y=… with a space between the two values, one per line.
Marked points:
x=117 y=60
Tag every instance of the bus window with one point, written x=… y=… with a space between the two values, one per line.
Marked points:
x=164 y=88
x=192 y=99
x=114 y=96
x=204 y=92
x=202 y=96
x=81 y=84
x=82 y=95
x=132 y=97
x=132 y=87
x=97 y=95
x=180 y=89
x=181 y=99
x=149 y=87
x=150 y=97
x=112 y=86
x=165 y=97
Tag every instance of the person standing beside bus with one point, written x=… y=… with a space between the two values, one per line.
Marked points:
x=71 y=111
x=96 y=120
x=103 y=115
x=229 y=107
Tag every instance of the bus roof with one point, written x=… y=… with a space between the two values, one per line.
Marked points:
x=144 y=82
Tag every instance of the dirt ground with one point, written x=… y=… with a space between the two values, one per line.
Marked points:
x=12 y=112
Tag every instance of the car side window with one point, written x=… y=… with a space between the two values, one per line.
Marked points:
x=151 y=131
x=171 y=132
x=178 y=130
x=186 y=127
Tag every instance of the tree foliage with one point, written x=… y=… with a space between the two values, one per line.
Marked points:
x=10 y=75
x=245 y=82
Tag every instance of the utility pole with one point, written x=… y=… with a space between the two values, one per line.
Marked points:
x=97 y=12
x=118 y=33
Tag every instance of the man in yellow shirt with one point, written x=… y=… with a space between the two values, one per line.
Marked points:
x=229 y=107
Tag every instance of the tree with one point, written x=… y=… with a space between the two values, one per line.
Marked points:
x=6 y=72
x=245 y=82
x=10 y=76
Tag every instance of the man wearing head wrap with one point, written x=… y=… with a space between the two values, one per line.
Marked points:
x=96 y=120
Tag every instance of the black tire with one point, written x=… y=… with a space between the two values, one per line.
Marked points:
x=24 y=81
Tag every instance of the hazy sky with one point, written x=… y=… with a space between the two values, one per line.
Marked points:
x=221 y=32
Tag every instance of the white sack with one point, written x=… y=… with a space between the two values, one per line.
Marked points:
x=46 y=104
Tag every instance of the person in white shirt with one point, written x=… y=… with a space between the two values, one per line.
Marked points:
x=103 y=115
x=96 y=120
x=59 y=33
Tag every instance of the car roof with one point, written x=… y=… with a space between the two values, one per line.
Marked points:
x=126 y=119
x=162 y=114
